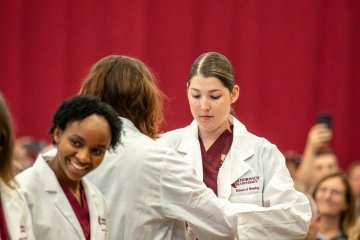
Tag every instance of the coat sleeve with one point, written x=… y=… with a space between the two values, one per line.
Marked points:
x=286 y=213
x=186 y=198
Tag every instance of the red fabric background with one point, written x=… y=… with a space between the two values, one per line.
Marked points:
x=292 y=59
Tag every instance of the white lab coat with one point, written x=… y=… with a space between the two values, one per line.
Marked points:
x=253 y=172
x=17 y=214
x=149 y=187
x=52 y=214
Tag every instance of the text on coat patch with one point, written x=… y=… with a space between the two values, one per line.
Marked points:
x=240 y=184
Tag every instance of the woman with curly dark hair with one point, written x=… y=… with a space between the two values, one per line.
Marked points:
x=63 y=204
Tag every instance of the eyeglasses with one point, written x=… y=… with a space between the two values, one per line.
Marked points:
x=334 y=192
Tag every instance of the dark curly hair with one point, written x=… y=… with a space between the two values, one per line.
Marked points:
x=80 y=107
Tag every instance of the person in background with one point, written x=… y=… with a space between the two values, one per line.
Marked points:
x=336 y=207
x=354 y=179
x=15 y=219
x=318 y=159
x=25 y=152
x=234 y=163
x=315 y=219
x=292 y=161
x=150 y=188
x=63 y=204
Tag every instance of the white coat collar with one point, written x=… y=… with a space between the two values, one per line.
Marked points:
x=17 y=215
x=190 y=139
x=52 y=186
x=128 y=125
x=93 y=202
x=243 y=148
x=46 y=174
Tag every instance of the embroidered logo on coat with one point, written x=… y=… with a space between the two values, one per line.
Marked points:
x=244 y=181
x=246 y=184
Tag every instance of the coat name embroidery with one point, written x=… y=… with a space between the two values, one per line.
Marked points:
x=244 y=181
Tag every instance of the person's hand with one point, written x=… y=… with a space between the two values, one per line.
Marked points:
x=319 y=136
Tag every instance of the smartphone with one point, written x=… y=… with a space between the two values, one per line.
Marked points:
x=325 y=118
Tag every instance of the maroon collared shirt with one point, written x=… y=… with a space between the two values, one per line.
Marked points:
x=212 y=158
x=81 y=211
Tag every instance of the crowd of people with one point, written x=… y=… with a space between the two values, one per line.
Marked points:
x=110 y=173
x=333 y=193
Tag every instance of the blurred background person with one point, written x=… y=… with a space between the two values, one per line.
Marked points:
x=336 y=207
x=318 y=159
x=15 y=219
x=315 y=219
x=354 y=179
x=26 y=151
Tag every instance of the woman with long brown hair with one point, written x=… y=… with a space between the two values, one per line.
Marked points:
x=15 y=220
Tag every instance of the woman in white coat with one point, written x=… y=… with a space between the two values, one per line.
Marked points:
x=236 y=164
x=15 y=219
x=150 y=188
x=63 y=204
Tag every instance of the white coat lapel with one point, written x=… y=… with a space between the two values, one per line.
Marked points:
x=62 y=203
x=234 y=160
x=15 y=209
x=53 y=188
x=189 y=148
x=235 y=164
x=98 y=224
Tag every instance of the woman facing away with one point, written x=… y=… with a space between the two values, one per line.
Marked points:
x=234 y=163
x=63 y=204
x=15 y=219
x=152 y=190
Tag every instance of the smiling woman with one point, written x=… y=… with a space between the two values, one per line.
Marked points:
x=336 y=206
x=83 y=129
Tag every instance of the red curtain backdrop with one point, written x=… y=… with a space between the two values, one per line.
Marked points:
x=292 y=59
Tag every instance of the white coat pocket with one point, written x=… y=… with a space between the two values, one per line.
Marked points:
x=255 y=198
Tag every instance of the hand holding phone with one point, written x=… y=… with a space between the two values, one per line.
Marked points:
x=325 y=118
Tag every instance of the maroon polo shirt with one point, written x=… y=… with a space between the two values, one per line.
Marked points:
x=81 y=211
x=213 y=158
x=4 y=234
